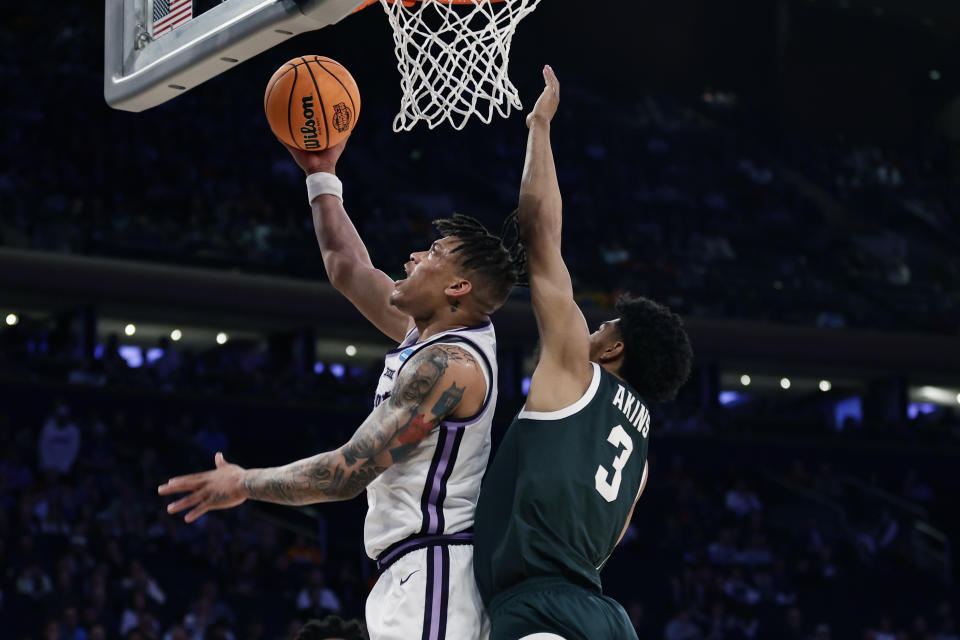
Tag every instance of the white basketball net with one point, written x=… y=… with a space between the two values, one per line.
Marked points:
x=453 y=59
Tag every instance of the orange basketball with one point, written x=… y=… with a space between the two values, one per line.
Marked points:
x=312 y=103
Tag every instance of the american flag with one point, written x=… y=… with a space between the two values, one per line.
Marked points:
x=169 y=14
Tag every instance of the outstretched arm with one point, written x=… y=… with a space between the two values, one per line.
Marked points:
x=563 y=373
x=345 y=256
x=439 y=381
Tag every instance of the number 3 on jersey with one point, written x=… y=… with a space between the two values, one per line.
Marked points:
x=609 y=490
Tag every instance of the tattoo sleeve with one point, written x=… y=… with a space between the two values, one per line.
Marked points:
x=388 y=435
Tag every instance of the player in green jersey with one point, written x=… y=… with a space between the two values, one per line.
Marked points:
x=560 y=492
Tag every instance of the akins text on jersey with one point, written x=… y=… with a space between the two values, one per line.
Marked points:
x=636 y=412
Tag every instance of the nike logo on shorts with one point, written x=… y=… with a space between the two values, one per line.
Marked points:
x=404 y=581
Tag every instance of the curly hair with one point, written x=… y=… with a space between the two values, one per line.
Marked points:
x=331 y=627
x=498 y=265
x=657 y=351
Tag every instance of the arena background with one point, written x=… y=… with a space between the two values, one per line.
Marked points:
x=783 y=173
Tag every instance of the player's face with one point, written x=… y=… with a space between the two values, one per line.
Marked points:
x=429 y=273
x=606 y=334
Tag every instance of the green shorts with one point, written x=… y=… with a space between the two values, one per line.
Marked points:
x=560 y=607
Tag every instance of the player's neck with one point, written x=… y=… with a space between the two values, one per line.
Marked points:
x=447 y=320
x=613 y=367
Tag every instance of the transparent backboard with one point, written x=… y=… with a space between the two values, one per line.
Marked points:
x=155 y=50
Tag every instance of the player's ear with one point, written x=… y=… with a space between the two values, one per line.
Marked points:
x=612 y=351
x=458 y=288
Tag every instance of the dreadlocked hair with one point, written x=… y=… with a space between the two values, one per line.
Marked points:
x=510 y=232
x=331 y=627
x=497 y=266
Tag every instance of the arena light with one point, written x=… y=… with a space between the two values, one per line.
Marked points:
x=825 y=385
x=958 y=398
x=176 y=334
x=938 y=395
x=935 y=74
x=917 y=409
x=130 y=329
x=848 y=411
x=351 y=350
x=319 y=367
x=730 y=398
x=745 y=380
x=785 y=383
x=12 y=319
x=222 y=338
x=132 y=354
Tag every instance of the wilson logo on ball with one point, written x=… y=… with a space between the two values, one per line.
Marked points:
x=341 y=117
x=309 y=128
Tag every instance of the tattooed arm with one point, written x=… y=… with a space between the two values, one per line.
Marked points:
x=439 y=381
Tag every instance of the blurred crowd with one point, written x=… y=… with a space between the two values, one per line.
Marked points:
x=665 y=199
x=721 y=557
x=89 y=553
x=50 y=350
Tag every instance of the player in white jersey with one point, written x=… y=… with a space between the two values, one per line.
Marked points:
x=422 y=452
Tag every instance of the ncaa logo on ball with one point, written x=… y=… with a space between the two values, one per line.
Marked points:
x=341 y=116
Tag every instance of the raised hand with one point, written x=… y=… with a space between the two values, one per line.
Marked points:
x=221 y=488
x=317 y=161
x=546 y=106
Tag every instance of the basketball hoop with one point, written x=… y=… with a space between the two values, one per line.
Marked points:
x=453 y=57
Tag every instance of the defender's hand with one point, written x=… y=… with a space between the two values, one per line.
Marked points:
x=546 y=106
x=317 y=161
x=221 y=488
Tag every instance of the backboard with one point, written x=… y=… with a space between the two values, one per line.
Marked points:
x=155 y=50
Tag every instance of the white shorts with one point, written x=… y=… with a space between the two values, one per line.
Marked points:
x=428 y=594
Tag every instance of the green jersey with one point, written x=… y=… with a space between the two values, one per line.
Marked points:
x=558 y=493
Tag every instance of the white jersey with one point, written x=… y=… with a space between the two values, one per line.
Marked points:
x=434 y=490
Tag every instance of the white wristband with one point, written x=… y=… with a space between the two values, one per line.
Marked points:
x=322 y=183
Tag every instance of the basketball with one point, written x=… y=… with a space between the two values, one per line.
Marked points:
x=312 y=103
